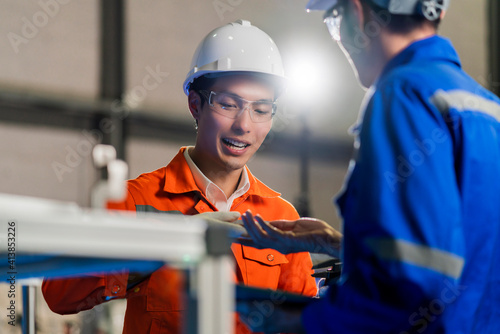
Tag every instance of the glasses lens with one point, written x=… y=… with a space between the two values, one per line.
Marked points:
x=262 y=111
x=230 y=106
x=333 y=21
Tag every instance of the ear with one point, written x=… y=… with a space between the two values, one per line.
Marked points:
x=194 y=103
x=356 y=7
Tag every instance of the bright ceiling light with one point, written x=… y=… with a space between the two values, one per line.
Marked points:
x=306 y=78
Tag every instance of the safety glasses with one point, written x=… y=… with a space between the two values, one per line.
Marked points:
x=333 y=19
x=232 y=106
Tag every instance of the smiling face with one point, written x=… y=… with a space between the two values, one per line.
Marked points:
x=226 y=144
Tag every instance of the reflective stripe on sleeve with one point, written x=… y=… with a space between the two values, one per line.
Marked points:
x=438 y=260
x=462 y=100
x=150 y=208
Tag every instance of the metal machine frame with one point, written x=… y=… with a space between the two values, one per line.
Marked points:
x=51 y=228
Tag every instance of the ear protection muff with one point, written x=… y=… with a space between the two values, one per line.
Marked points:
x=432 y=9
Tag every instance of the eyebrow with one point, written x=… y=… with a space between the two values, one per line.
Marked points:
x=236 y=95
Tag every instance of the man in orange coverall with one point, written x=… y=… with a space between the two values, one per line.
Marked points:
x=235 y=79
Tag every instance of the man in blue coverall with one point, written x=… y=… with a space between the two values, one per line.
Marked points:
x=421 y=247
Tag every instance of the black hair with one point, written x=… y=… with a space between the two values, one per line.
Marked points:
x=199 y=84
x=202 y=83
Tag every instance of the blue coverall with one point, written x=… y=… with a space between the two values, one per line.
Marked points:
x=421 y=206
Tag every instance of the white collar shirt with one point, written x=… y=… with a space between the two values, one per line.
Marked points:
x=213 y=193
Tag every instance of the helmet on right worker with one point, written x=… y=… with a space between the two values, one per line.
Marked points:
x=430 y=9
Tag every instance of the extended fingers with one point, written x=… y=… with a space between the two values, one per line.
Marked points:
x=253 y=228
x=247 y=241
x=269 y=229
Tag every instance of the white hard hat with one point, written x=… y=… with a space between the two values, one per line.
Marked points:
x=430 y=9
x=236 y=47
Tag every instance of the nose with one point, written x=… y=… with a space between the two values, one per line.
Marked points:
x=243 y=122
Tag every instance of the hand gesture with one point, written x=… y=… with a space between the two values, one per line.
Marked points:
x=291 y=236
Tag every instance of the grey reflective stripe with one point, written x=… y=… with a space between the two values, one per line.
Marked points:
x=404 y=251
x=149 y=208
x=462 y=100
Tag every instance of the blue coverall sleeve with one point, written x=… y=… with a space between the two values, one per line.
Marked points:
x=403 y=239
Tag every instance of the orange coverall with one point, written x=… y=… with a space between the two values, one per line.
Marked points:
x=156 y=304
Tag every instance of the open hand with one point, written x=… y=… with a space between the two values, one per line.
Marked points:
x=287 y=236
